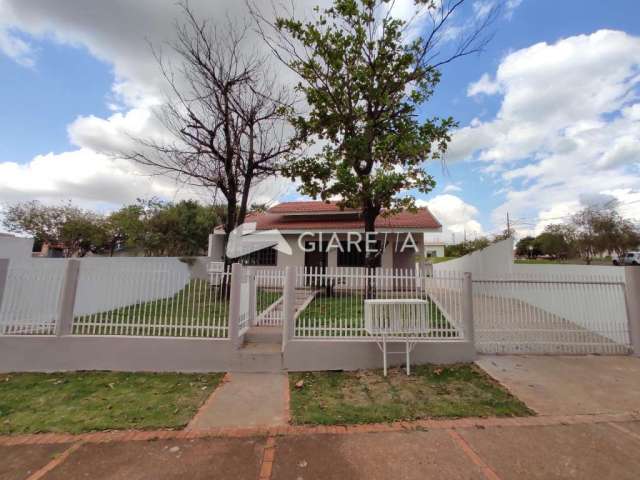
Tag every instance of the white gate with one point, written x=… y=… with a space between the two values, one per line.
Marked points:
x=269 y=285
x=525 y=314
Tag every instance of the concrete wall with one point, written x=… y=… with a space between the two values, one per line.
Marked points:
x=569 y=270
x=600 y=309
x=15 y=248
x=57 y=354
x=310 y=355
x=157 y=354
x=108 y=283
x=494 y=261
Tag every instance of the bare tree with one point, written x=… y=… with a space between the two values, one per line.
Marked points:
x=224 y=113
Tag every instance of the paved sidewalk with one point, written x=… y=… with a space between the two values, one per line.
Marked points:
x=569 y=385
x=585 y=451
x=246 y=400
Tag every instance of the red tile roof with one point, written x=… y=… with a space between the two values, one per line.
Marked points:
x=307 y=207
x=276 y=217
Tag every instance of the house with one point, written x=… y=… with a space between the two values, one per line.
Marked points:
x=320 y=234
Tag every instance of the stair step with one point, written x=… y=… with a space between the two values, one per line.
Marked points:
x=251 y=348
x=268 y=335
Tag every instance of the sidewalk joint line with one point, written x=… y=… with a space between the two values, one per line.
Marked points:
x=487 y=471
x=268 y=458
x=60 y=459
x=624 y=430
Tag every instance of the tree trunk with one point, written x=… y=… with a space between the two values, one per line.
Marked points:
x=370 y=214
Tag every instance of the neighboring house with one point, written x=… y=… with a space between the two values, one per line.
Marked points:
x=433 y=248
x=309 y=228
x=14 y=248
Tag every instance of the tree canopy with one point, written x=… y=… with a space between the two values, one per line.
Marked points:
x=148 y=227
x=363 y=79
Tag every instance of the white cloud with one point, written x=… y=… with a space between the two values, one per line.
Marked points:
x=485 y=85
x=568 y=124
x=451 y=187
x=455 y=215
x=118 y=32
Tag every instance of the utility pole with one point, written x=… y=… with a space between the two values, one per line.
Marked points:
x=508 y=226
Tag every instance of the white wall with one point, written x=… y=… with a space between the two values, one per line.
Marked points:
x=598 y=308
x=108 y=283
x=15 y=247
x=494 y=261
x=32 y=293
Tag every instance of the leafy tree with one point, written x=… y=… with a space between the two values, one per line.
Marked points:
x=557 y=241
x=364 y=80
x=523 y=250
x=78 y=230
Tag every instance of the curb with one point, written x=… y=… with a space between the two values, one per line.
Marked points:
x=292 y=430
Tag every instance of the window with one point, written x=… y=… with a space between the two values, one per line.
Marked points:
x=265 y=257
x=351 y=257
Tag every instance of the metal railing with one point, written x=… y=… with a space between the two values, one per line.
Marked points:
x=330 y=302
x=551 y=314
x=269 y=296
x=149 y=297
x=31 y=299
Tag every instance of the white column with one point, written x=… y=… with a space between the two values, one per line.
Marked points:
x=632 y=298
x=4 y=273
x=467 y=308
x=64 y=323
x=234 y=305
x=288 y=305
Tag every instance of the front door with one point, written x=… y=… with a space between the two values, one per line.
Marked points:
x=315 y=255
x=315 y=262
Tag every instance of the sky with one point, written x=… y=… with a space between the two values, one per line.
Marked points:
x=548 y=113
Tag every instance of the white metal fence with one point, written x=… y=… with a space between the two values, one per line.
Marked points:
x=149 y=298
x=269 y=289
x=330 y=303
x=551 y=314
x=31 y=299
x=516 y=313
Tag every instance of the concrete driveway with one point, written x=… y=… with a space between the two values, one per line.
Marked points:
x=564 y=385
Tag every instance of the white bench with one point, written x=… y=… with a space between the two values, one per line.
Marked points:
x=399 y=319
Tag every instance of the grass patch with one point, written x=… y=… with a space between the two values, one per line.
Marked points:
x=198 y=310
x=93 y=401
x=330 y=398
x=344 y=315
x=435 y=260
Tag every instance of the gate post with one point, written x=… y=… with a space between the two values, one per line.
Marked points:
x=4 y=273
x=251 y=271
x=64 y=325
x=632 y=299
x=288 y=305
x=467 y=309
x=234 y=305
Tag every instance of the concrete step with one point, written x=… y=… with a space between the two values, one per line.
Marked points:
x=251 y=348
x=271 y=335
x=259 y=357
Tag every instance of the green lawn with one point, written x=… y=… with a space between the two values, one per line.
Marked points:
x=327 y=315
x=198 y=310
x=435 y=260
x=92 y=401
x=571 y=261
x=330 y=398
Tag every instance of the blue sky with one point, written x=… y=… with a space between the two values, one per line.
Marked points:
x=78 y=74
